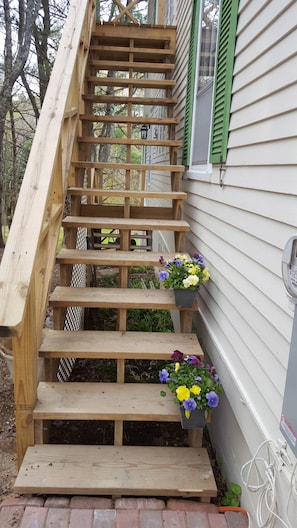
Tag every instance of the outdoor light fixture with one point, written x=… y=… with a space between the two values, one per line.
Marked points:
x=144 y=130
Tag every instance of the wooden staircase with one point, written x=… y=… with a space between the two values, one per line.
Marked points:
x=124 y=62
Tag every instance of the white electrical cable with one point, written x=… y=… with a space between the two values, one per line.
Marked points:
x=293 y=491
x=266 y=486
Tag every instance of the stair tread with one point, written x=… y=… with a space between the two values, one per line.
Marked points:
x=127 y=141
x=111 y=470
x=115 y=298
x=111 y=258
x=122 y=99
x=117 y=345
x=122 y=65
x=153 y=53
x=126 y=193
x=129 y=119
x=105 y=401
x=140 y=224
x=125 y=82
x=127 y=166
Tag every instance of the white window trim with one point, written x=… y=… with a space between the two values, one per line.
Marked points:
x=204 y=171
x=199 y=173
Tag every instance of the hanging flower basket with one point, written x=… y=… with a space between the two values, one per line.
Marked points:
x=194 y=385
x=185 y=298
x=195 y=420
x=184 y=276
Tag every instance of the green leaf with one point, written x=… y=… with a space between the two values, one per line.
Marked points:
x=225 y=501
x=235 y=488
x=163 y=393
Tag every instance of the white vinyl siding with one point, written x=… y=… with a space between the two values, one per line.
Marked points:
x=245 y=318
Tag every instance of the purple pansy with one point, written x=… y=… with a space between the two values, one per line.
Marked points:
x=193 y=360
x=164 y=376
x=212 y=399
x=189 y=404
x=163 y=275
x=177 y=356
x=199 y=259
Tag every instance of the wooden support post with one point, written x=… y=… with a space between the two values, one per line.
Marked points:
x=25 y=354
x=195 y=437
x=186 y=321
x=179 y=241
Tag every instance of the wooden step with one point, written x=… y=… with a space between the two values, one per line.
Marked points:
x=140 y=224
x=121 y=52
x=127 y=141
x=111 y=470
x=111 y=258
x=126 y=82
x=127 y=166
x=120 y=34
x=136 y=298
x=126 y=193
x=117 y=345
x=105 y=401
x=120 y=99
x=136 y=66
x=129 y=119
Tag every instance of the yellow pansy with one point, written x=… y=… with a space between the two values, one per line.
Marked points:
x=177 y=367
x=195 y=390
x=182 y=393
x=206 y=274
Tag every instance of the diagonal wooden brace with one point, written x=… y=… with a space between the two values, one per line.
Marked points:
x=125 y=11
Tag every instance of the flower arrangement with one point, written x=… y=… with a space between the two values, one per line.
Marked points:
x=182 y=273
x=193 y=384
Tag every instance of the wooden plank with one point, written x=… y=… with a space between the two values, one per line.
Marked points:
x=140 y=224
x=137 y=83
x=150 y=52
x=129 y=119
x=111 y=258
x=144 y=67
x=120 y=99
x=105 y=401
x=126 y=141
x=115 y=298
x=135 y=211
x=117 y=345
x=157 y=36
x=111 y=470
x=128 y=166
x=126 y=193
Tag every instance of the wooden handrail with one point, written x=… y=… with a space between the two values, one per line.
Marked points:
x=36 y=222
x=29 y=256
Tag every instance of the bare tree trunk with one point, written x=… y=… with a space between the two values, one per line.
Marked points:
x=13 y=66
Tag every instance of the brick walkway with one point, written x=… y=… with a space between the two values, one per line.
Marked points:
x=97 y=512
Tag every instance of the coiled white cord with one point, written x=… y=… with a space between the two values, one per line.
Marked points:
x=265 y=471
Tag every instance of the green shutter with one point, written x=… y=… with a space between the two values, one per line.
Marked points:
x=191 y=82
x=223 y=81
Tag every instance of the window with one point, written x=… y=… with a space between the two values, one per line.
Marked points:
x=208 y=88
x=171 y=9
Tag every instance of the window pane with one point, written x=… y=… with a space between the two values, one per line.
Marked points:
x=206 y=69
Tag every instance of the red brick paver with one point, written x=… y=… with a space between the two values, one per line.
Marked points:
x=100 y=512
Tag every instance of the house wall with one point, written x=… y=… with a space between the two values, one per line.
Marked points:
x=241 y=227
